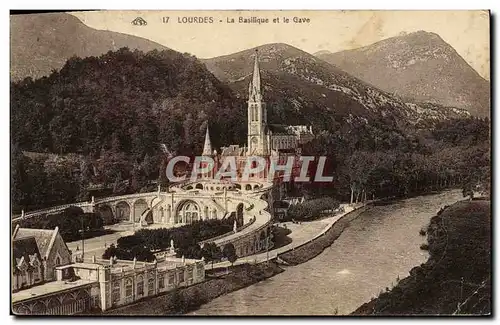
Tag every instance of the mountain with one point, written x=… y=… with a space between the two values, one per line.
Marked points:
x=301 y=88
x=418 y=66
x=43 y=42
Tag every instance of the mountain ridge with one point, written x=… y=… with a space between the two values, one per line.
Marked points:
x=317 y=83
x=41 y=43
x=420 y=67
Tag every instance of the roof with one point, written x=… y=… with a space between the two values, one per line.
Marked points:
x=233 y=150
x=44 y=238
x=90 y=266
x=48 y=288
x=279 y=129
x=24 y=248
x=280 y=204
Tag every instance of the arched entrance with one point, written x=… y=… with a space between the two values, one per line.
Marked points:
x=248 y=187
x=122 y=211
x=106 y=214
x=139 y=207
x=239 y=215
x=262 y=243
x=159 y=215
x=188 y=211
x=149 y=217
x=199 y=186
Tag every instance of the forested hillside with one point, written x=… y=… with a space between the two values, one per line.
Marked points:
x=128 y=101
x=114 y=111
x=106 y=117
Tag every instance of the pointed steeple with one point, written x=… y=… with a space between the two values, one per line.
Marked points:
x=207 y=148
x=254 y=94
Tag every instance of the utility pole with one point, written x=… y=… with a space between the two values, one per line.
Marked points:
x=83 y=240
x=267 y=240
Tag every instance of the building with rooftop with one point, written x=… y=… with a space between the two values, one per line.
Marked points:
x=35 y=255
x=103 y=284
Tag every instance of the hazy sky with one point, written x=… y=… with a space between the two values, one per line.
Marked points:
x=466 y=31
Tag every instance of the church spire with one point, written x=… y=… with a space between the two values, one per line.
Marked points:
x=255 y=85
x=207 y=148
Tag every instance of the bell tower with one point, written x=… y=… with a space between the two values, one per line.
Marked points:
x=257 y=115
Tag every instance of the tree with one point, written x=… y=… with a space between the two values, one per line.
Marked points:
x=18 y=178
x=468 y=191
x=109 y=252
x=211 y=252
x=229 y=252
x=130 y=242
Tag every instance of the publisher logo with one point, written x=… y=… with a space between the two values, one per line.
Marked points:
x=139 y=21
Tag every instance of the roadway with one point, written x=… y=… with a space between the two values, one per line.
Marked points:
x=300 y=235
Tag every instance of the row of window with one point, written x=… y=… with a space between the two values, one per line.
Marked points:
x=170 y=277
x=284 y=143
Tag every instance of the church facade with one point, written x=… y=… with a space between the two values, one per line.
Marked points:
x=261 y=141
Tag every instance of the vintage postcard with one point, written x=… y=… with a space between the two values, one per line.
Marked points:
x=250 y=163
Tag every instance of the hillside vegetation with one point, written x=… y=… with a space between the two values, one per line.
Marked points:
x=115 y=111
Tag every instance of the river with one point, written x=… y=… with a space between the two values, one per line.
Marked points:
x=379 y=246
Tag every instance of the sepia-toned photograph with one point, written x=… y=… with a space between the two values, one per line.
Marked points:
x=250 y=163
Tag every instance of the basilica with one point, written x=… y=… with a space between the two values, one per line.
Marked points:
x=261 y=140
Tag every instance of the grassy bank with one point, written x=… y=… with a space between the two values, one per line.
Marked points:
x=311 y=250
x=184 y=300
x=456 y=279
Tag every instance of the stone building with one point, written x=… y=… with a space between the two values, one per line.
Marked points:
x=122 y=281
x=263 y=140
x=290 y=138
x=104 y=284
x=36 y=253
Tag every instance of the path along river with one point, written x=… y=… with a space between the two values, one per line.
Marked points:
x=379 y=246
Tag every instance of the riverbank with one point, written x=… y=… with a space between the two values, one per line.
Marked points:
x=315 y=247
x=456 y=279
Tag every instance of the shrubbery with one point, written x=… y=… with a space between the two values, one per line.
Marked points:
x=186 y=239
x=139 y=252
